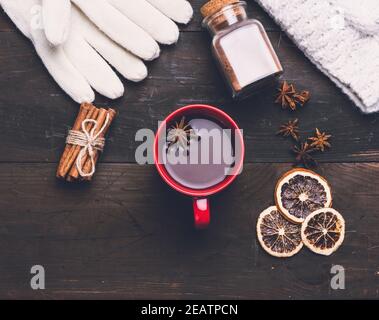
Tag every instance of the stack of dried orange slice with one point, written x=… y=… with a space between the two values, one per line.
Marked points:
x=302 y=215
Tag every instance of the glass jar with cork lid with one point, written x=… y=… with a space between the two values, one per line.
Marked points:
x=241 y=47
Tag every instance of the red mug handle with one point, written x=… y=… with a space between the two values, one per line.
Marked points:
x=201 y=212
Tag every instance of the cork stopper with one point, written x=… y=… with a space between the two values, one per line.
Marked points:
x=213 y=6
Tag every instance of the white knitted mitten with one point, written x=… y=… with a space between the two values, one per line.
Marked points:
x=335 y=43
x=362 y=14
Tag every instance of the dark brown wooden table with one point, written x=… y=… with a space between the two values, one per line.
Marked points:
x=127 y=235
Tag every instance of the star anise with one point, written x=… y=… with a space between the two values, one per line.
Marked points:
x=303 y=155
x=290 y=129
x=302 y=98
x=320 y=140
x=285 y=97
x=180 y=134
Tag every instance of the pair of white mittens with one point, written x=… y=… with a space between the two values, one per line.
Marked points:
x=79 y=40
x=341 y=37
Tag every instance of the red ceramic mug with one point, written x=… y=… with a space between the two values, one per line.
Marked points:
x=200 y=196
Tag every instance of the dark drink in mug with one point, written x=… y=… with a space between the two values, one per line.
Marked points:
x=199 y=151
x=206 y=160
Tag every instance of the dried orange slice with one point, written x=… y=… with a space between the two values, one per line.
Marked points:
x=323 y=231
x=278 y=236
x=299 y=192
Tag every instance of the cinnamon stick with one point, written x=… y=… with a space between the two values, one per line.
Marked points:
x=87 y=166
x=74 y=151
x=83 y=111
x=101 y=118
x=67 y=168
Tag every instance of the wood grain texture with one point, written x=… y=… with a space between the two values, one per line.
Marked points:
x=174 y=82
x=128 y=235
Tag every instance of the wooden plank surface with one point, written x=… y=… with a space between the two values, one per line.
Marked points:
x=127 y=235
x=173 y=82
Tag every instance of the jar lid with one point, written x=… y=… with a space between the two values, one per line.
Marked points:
x=213 y=6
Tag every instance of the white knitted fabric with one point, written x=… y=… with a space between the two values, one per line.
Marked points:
x=362 y=14
x=341 y=37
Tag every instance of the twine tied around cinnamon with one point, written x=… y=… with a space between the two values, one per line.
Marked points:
x=89 y=141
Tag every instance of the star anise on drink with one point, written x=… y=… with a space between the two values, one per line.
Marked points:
x=320 y=141
x=290 y=129
x=303 y=155
x=285 y=97
x=180 y=134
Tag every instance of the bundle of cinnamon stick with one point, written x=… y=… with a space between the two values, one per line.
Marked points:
x=67 y=168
